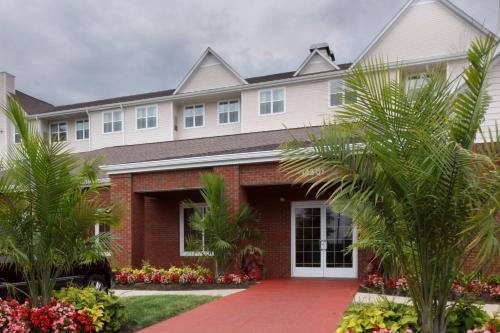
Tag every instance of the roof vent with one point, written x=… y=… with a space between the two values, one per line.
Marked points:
x=324 y=48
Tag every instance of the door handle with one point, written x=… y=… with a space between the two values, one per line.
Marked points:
x=323 y=245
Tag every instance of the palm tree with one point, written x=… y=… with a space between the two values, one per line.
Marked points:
x=400 y=161
x=49 y=204
x=223 y=231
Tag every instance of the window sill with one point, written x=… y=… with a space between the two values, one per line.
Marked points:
x=196 y=254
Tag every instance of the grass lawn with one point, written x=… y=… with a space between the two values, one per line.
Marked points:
x=147 y=310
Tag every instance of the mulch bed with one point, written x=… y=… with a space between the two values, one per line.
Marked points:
x=178 y=286
x=394 y=292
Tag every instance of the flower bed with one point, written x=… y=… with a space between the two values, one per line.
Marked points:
x=175 y=278
x=54 y=317
x=487 y=289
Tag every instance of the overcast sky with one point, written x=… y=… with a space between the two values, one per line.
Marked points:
x=72 y=51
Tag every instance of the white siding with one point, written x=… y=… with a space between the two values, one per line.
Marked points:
x=210 y=128
x=305 y=104
x=7 y=85
x=425 y=29
x=316 y=64
x=163 y=131
x=493 y=113
x=210 y=74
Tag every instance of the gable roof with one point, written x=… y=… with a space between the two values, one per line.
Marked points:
x=308 y=59
x=403 y=9
x=32 y=105
x=208 y=51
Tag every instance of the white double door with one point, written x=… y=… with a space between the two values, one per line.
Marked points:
x=320 y=242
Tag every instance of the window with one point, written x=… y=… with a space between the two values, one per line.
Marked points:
x=229 y=111
x=112 y=121
x=58 y=132
x=339 y=95
x=17 y=136
x=146 y=116
x=82 y=129
x=194 y=116
x=99 y=229
x=415 y=82
x=102 y=228
x=187 y=233
x=272 y=101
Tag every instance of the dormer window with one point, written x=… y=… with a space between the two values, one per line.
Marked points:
x=58 y=132
x=82 y=129
x=194 y=116
x=229 y=111
x=272 y=101
x=147 y=116
x=415 y=82
x=112 y=121
x=17 y=136
x=339 y=95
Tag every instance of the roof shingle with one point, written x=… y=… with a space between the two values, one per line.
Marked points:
x=218 y=145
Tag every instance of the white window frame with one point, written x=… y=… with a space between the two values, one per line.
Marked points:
x=96 y=233
x=272 y=113
x=16 y=133
x=113 y=121
x=76 y=129
x=342 y=92
x=145 y=107
x=184 y=253
x=410 y=86
x=58 y=132
x=194 y=115
x=228 y=101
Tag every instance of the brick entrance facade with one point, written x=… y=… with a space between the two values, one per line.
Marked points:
x=150 y=223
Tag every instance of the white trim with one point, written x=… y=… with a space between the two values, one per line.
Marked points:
x=322 y=271
x=448 y=4
x=76 y=129
x=272 y=94
x=113 y=121
x=146 y=109
x=14 y=132
x=208 y=51
x=309 y=57
x=228 y=116
x=182 y=252
x=194 y=162
x=194 y=116
x=58 y=132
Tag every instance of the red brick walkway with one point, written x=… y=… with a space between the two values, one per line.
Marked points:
x=293 y=305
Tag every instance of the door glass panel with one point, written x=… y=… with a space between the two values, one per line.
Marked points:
x=338 y=238
x=307 y=237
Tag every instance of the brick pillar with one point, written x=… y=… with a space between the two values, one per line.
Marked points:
x=130 y=232
x=235 y=192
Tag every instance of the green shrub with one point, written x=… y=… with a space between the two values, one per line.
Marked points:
x=371 y=317
x=465 y=316
x=105 y=308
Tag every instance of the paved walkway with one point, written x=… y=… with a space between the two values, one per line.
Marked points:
x=291 y=306
x=207 y=292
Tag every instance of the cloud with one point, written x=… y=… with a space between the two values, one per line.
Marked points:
x=71 y=51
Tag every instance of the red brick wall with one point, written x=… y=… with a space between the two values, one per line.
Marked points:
x=161 y=236
x=262 y=174
x=168 y=180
